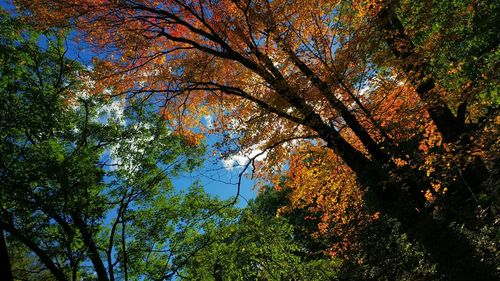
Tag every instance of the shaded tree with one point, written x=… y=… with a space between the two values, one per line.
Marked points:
x=288 y=70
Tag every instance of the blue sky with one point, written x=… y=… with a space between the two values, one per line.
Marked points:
x=216 y=179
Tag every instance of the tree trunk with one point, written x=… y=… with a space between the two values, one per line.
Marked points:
x=5 y=269
x=41 y=253
x=452 y=129
x=452 y=252
x=419 y=69
x=93 y=251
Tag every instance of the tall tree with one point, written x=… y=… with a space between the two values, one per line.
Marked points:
x=286 y=70
x=86 y=180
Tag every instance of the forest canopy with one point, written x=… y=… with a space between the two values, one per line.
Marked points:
x=370 y=128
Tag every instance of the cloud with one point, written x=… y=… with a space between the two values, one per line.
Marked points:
x=209 y=121
x=241 y=159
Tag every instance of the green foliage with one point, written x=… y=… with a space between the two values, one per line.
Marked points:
x=86 y=189
x=67 y=156
x=25 y=265
x=466 y=58
x=386 y=253
x=259 y=246
x=86 y=180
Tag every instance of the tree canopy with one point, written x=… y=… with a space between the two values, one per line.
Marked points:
x=85 y=180
x=375 y=119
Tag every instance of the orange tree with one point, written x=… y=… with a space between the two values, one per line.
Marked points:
x=353 y=77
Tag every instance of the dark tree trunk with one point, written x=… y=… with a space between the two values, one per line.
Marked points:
x=5 y=269
x=452 y=252
x=93 y=251
x=41 y=253
x=452 y=128
x=402 y=200
x=419 y=70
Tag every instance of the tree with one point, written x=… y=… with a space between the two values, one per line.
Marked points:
x=300 y=70
x=25 y=265
x=368 y=248
x=259 y=246
x=86 y=187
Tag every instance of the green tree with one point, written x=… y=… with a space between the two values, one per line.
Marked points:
x=257 y=245
x=327 y=70
x=85 y=181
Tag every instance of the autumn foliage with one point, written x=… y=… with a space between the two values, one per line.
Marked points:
x=358 y=108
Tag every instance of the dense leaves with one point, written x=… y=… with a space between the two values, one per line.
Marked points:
x=372 y=115
x=259 y=246
x=86 y=186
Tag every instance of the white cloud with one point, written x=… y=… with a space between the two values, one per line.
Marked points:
x=241 y=159
x=209 y=121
